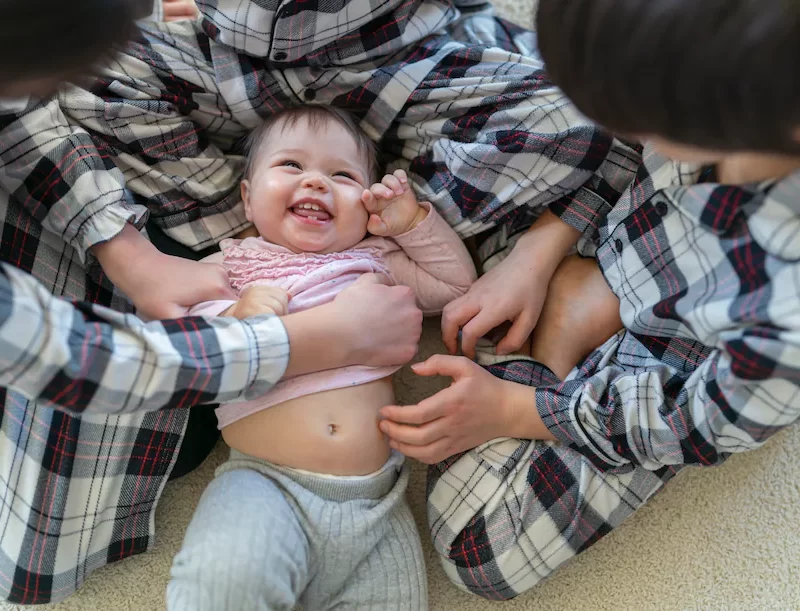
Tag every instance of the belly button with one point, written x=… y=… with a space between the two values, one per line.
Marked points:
x=332 y=428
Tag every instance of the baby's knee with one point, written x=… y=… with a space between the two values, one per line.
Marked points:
x=243 y=549
x=220 y=576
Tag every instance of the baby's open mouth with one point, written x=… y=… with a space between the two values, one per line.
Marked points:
x=312 y=212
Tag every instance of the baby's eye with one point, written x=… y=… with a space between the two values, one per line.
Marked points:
x=345 y=174
x=291 y=164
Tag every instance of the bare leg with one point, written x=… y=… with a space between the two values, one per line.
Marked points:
x=579 y=314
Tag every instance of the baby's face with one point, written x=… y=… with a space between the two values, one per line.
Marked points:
x=304 y=192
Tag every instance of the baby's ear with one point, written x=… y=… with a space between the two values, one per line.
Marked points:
x=245 y=190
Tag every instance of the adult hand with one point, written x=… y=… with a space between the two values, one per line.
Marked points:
x=160 y=286
x=475 y=408
x=514 y=291
x=168 y=286
x=381 y=324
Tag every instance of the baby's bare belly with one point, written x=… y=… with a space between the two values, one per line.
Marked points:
x=333 y=432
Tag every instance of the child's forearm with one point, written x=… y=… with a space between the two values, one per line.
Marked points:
x=549 y=239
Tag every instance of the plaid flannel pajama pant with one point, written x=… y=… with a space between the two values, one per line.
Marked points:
x=483 y=134
x=505 y=515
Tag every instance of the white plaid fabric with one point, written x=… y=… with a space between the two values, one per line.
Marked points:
x=456 y=97
x=708 y=277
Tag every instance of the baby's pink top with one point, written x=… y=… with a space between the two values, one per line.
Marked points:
x=430 y=259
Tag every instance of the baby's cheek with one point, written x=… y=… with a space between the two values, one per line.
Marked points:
x=269 y=227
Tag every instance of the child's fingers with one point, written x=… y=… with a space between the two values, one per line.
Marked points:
x=282 y=300
x=457 y=314
x=381 y=193
x=376 y=226
x=391 y=182
x=368 y=199
x=401 y=176
x=281 y=308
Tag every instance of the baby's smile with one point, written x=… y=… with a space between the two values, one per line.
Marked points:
x=312 y=211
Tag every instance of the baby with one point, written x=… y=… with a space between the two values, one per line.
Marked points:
x=310 y=508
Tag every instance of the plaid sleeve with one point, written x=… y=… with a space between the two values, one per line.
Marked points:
x=709 y=362
x=586 y=208
x=738 y=398
x=58 y=175
x=80 y=357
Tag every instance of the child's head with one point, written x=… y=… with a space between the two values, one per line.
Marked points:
x=703 y=77
x=307 y=168
x=45 y=42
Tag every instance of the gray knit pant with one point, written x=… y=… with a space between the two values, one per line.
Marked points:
x=266 y=538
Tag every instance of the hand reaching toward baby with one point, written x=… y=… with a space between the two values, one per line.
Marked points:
x=392 y=206
x=260 y=299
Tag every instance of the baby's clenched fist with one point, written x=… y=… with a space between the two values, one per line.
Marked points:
x=392 y=206
x=260 y=299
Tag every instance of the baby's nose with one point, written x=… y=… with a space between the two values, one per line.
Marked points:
x=315 y=182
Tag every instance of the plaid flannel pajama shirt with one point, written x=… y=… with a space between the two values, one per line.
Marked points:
x=708 y=279
x=440 y=83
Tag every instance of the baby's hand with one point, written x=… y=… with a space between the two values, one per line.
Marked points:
x=392 y=206
x=260 y=299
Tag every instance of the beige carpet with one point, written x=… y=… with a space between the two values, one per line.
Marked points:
x=716 y=539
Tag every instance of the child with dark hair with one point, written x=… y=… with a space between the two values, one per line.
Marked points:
x=455 y=96
x=36 y=58
x=311 y=505
x=697 y=266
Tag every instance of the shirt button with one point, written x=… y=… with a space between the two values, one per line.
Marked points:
x=618 y=245
x=661 y=209
x=309 y=95
x=279 y=56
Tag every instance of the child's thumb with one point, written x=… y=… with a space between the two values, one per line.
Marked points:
x=441 y=364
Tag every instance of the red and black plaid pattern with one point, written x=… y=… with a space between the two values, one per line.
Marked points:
x=465 y=108
x=80 y=492
x=457 y=98
x=708 y=364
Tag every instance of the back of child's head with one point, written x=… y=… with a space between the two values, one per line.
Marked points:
x=47 y=41
x=715 y=74
x=317 y=117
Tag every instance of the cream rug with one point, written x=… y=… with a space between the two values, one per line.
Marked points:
x=716 y=539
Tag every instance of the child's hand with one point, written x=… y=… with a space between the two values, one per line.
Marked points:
x=475 y=408
x=392 y=206
x=512 y=291
x=260 y=299
x=160 y=286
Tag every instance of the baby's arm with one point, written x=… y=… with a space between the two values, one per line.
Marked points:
x=429 y=257
x=260 y=299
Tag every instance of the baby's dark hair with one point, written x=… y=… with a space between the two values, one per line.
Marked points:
x=715 y=74
x=54 y=38
x=317 y=117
